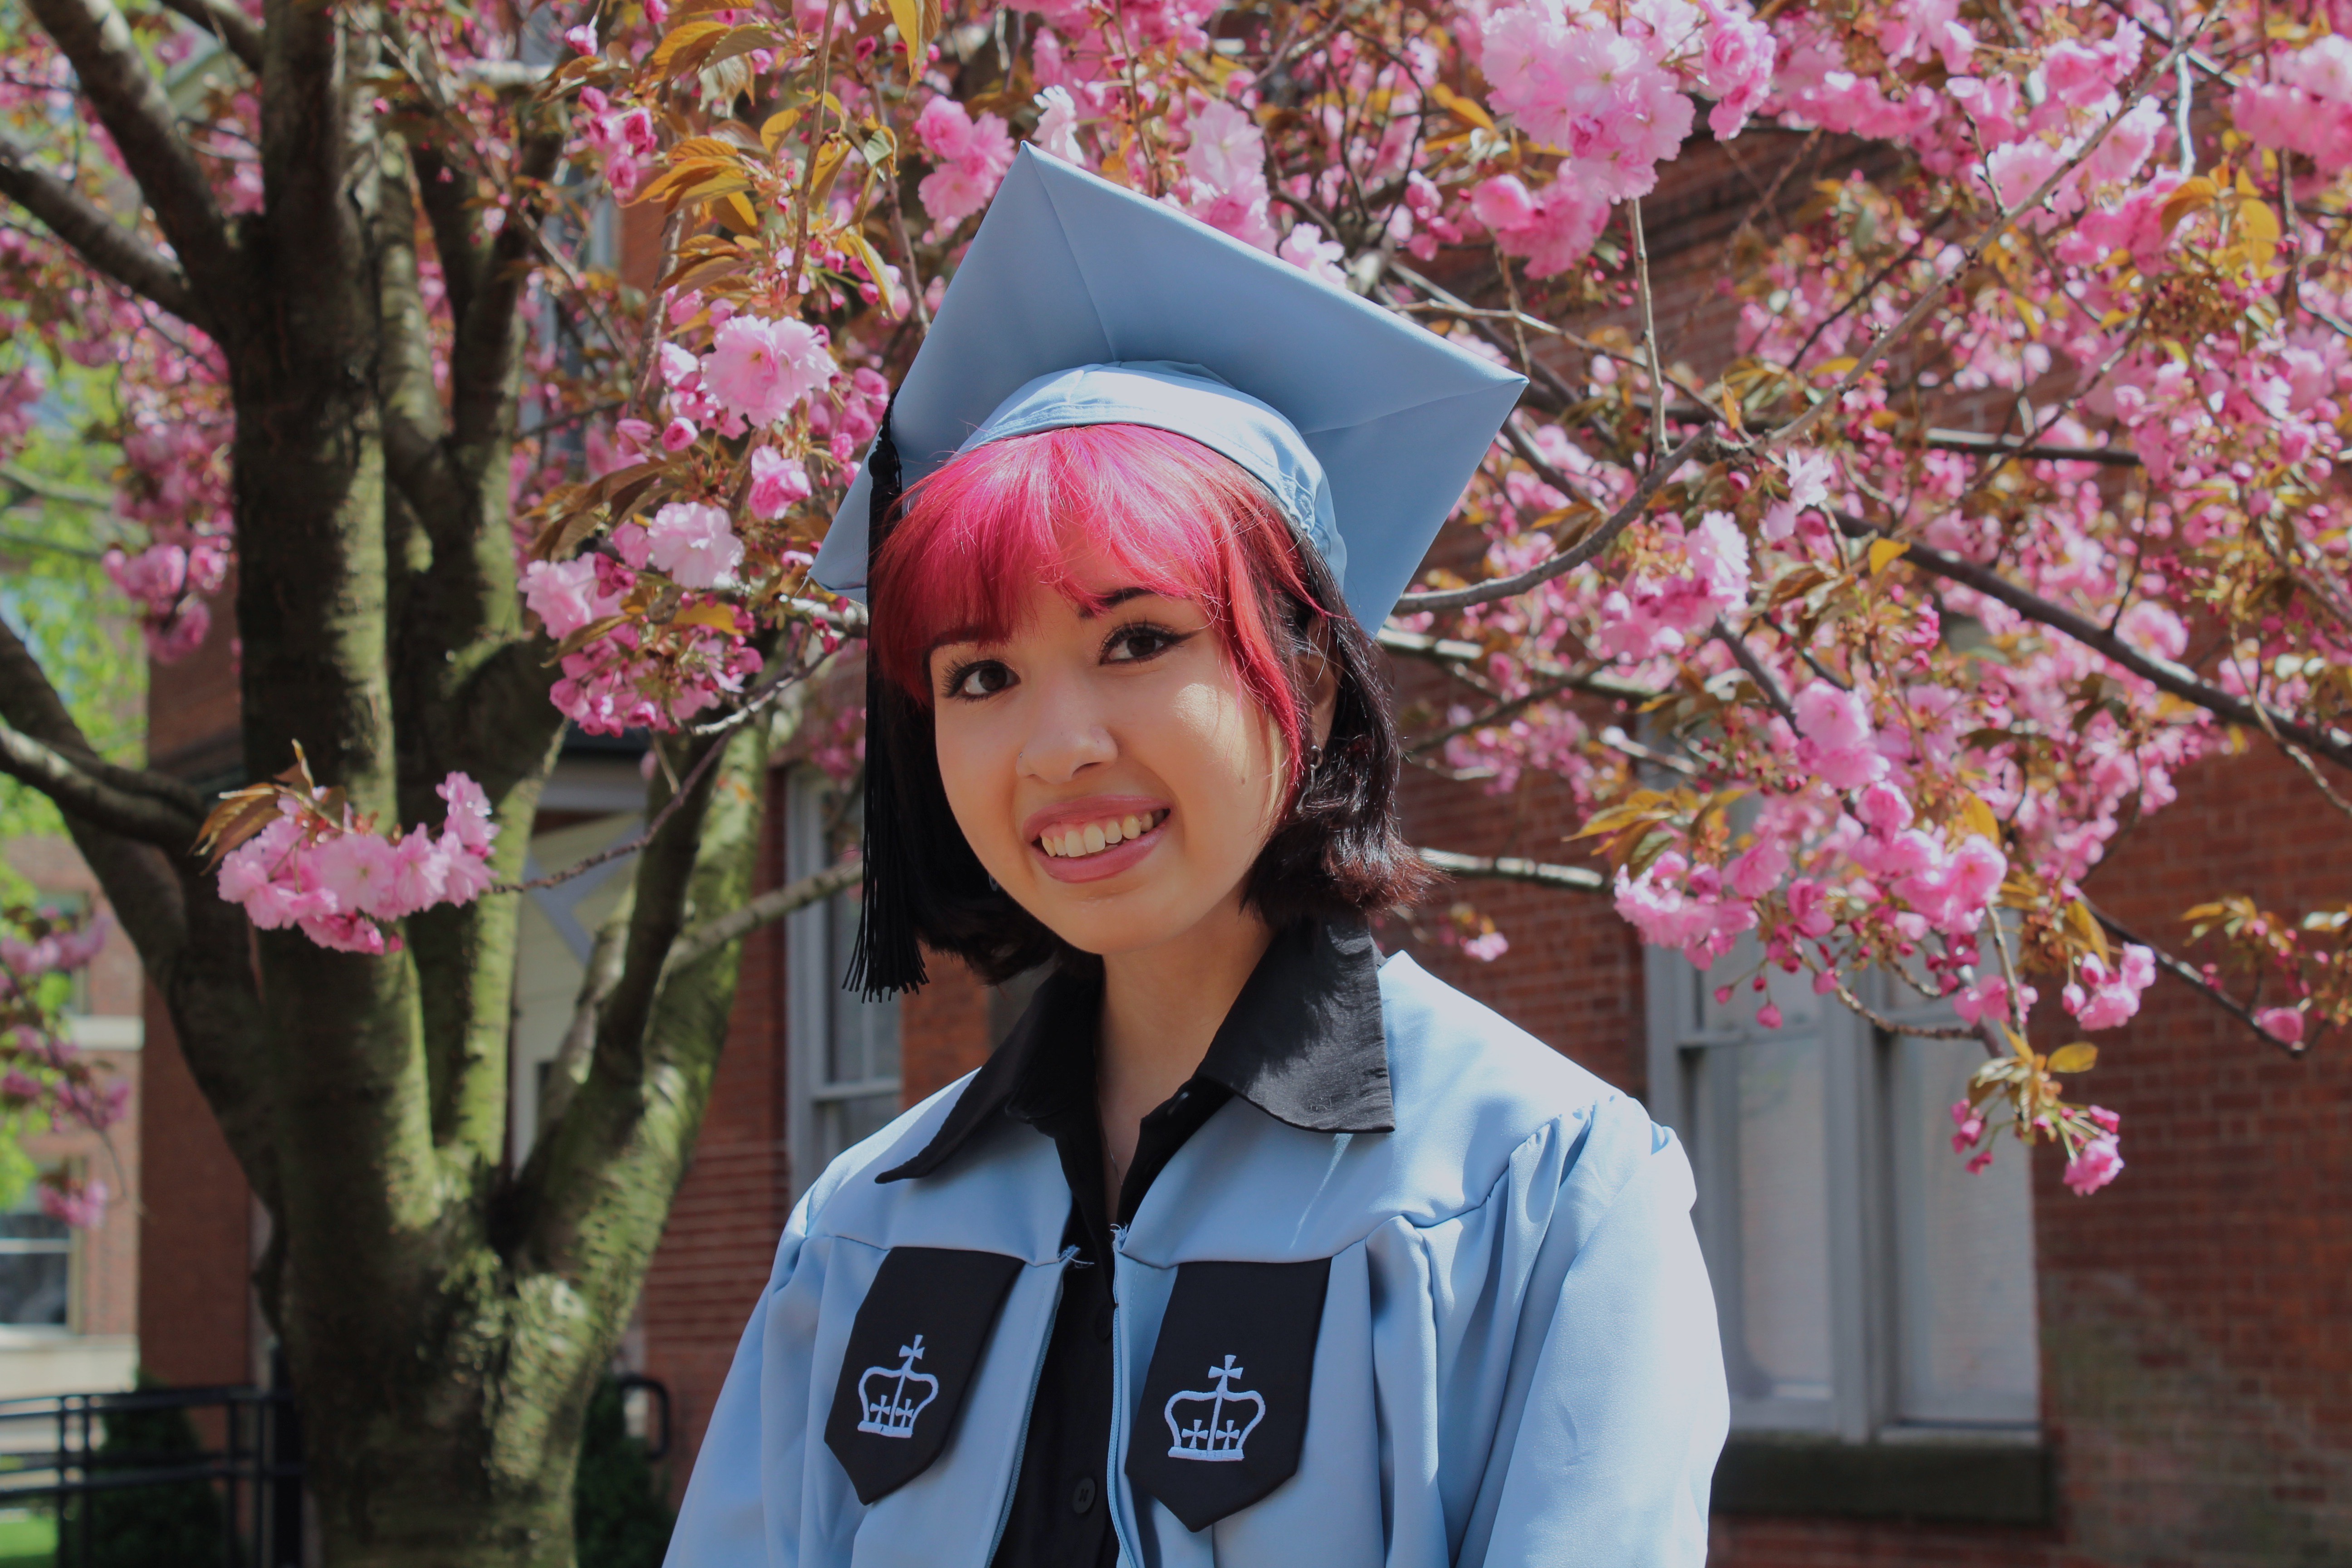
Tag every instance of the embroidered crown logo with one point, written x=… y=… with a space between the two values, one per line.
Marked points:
x=1208 y=1425
x=900 y=1399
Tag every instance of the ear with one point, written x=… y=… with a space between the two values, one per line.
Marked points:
x=1318 y=678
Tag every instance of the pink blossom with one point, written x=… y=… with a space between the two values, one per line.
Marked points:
x=759 y=369
x=420 y=873
x=468 y=815
x=1306 y=248
x=1057 y=126
x=1759 y=870
x=2282 y=1024
x=678 y=435
x=974 y=156
x=1228 y=161
x=562 y=594
x=777 y=482
x=1968 y=1127
x=1884 y=808
x=1768 y=1017
x=693 y=543
x=1488 y=947
x=80 y=1204
x=1831 y=717
x=358 y=869
x=2099 y=1162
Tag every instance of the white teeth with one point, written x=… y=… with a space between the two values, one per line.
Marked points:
x=1094 y=838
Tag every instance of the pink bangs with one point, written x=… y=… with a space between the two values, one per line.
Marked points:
x=1163 y=512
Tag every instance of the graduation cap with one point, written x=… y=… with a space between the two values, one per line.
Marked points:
x=1081 y=302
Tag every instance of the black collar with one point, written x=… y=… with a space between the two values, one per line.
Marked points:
x=1303 y=1043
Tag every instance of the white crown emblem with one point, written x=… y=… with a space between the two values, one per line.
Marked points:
x=1216 y=1433
x=893 y=1415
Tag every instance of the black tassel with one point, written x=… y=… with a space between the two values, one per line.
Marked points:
x=888 y=957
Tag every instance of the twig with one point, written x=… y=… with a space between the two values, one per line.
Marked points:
x=1513 y=868
x=1933 y=295
x=2189 y=975
x=1885 y=1025
x=700 y=941
x=1746 y=659
x=677 y=797
x=1699 y=448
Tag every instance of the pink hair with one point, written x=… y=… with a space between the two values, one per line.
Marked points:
x=1167 y=513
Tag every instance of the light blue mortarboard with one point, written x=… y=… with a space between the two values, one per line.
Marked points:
x=1081 y=302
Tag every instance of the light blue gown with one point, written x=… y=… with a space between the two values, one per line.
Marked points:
x=1517 y=1362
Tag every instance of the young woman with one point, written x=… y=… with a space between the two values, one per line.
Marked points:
x=1248 y=1246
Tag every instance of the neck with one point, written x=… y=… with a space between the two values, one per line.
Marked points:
x=1162 y=1008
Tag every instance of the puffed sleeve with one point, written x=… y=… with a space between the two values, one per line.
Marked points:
x=1613 y=1409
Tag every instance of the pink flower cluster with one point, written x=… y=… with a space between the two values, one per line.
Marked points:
x=2306 y=107
x=1673 y=904
x=849 y=418
x=637 y=675
x=168 y=580
x=1608 y=88
x=2100 y=998
x=624 y=137
x=2099 y=1161
x=974 y=157
x=58 y=950
x=1652 y=613
x=336 y=882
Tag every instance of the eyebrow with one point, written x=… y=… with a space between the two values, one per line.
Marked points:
x=1110 y=601
x=1115 y=598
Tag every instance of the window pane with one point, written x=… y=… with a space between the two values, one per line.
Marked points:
x=863 y=1042
x=1770 y=1190
x=1783 y=1222
x=35 y=1288
x=843 y=1123
x=1968 y=1345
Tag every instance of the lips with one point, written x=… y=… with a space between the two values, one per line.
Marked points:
x=1086 y=840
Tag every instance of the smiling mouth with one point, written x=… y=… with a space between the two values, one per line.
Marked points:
x=1082 y=839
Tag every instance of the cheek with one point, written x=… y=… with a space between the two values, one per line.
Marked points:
x=976 y=768
x=1237 y=759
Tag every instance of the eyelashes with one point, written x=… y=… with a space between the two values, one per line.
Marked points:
x=1129 y=643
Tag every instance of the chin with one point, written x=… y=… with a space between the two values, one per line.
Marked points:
x=1126 y=921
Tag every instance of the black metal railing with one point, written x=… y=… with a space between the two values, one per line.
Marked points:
x=92 y=1460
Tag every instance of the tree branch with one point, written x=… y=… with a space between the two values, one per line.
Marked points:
x=108 y=246
x=2167 y=676
x=223 y=20
x=1512 y=868
x=698 y=943
x=75 y=792
x=130 y=102
x=1701 y=448
x=2189 y=975
x=1936 y=292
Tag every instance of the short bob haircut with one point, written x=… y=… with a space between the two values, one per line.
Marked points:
x=1186 y=522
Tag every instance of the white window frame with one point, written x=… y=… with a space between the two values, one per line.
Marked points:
x=1866 y=1297
x=811 y=983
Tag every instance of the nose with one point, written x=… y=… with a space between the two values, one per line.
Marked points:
x=1068 y=738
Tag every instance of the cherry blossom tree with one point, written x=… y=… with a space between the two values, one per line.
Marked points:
x=1857 y=635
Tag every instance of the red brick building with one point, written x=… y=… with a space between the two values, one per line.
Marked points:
x=1926 y=1371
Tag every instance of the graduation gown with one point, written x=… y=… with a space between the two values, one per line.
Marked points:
x=1483 y=1336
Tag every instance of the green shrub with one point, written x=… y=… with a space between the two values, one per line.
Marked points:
x=620 y=1507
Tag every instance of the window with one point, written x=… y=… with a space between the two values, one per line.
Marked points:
x=36 y=1257
x=845 y=1081
x=1867 y=1286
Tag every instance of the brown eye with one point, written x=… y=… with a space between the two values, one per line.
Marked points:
x=980 y=678
x=1138 y=641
